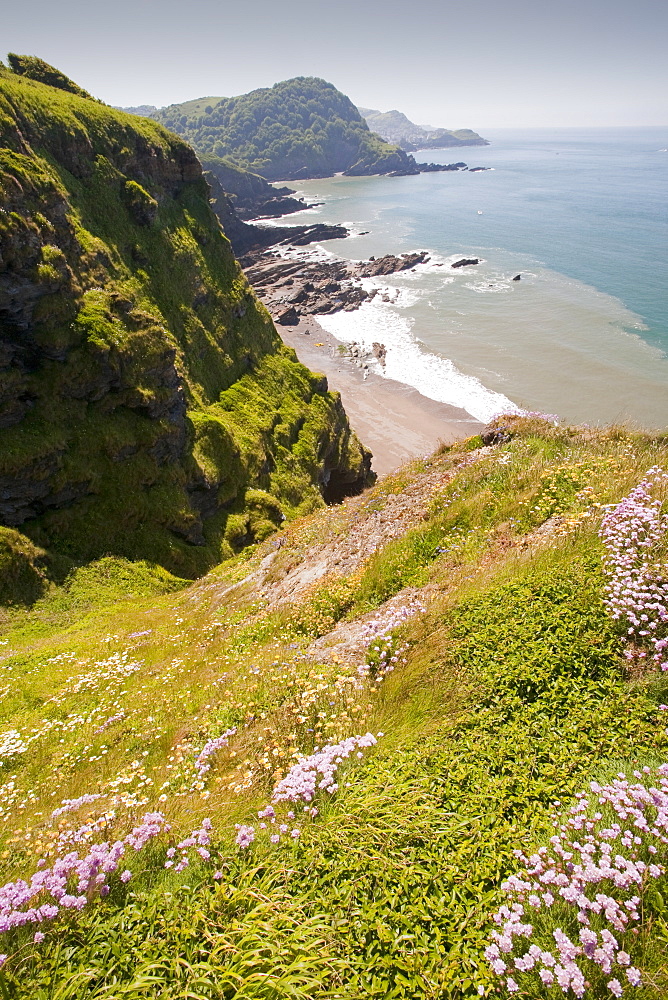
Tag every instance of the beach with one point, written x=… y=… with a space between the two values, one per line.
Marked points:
x=396 y=422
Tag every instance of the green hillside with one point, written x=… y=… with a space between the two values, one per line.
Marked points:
x=469 y=613
x=303 y=127
x=395 y=127
x=148 y=408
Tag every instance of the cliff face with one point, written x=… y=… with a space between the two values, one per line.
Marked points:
x=147 y=406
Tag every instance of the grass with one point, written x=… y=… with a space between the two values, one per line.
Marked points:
x=512 y=695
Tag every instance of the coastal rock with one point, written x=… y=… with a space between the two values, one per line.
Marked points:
x=317 y=287
x=465 y=262
x=517 y=277
x=391 y=264
x=246 y=238
x=379 y=352
x=430 y=168
x=289 y=317
x=495 y=434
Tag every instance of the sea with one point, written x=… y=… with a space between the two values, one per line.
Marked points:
x=580 y=214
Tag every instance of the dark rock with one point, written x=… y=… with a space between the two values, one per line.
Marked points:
x=289 y=317
x=391 y=264
x=465 y=262
x=319 y=287
x=37 y=489
x=430 y=168
x=517 y=277
x=495 y=435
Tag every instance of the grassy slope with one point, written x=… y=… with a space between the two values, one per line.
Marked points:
x=512 y=695
x=151 y=367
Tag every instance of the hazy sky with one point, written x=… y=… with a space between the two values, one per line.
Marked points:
x=454 y=63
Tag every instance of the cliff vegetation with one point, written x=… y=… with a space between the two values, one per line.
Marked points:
x=302 y=127
x=148 y=408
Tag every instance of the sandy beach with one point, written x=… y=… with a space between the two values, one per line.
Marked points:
x=393 y=420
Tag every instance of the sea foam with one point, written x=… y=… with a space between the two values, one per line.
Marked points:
x=406 y=361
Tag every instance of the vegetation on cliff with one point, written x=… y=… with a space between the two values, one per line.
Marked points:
x=148 y=408
x=34 y=68
x=464 y=612
x=303 y=127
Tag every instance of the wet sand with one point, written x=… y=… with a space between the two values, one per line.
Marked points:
x=393 y=420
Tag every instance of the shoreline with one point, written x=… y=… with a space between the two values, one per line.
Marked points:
x=395 y=421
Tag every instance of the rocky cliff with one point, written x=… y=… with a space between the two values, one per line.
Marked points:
x=147 y=406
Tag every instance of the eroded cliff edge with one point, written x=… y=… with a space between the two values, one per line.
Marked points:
x=148 y=407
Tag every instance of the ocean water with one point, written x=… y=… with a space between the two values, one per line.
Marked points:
x=581 y=214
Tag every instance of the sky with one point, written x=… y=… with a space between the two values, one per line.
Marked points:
x=455 y=63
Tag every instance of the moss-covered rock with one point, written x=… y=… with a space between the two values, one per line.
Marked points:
x=22 y=569
x=144 y=392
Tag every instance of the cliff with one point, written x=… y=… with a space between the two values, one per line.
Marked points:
x=147 y=405
x=395 y=127
x=299 y=128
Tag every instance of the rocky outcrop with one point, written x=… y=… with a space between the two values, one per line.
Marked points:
x=390 y=264
x=251 y=195
x=431 y=168
x=245 y=237
x=292 y=287
x=465 y=262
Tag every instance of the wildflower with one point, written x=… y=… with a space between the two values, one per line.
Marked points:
x=615 y=987
x=245 y=835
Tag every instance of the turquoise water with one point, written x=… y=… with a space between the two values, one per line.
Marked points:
x=581 y=214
